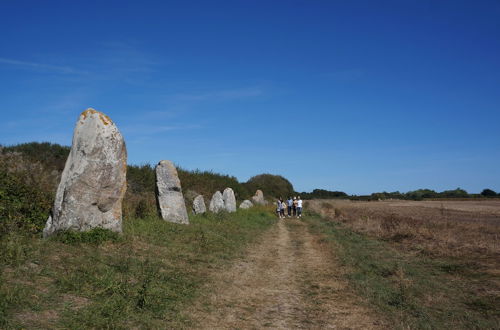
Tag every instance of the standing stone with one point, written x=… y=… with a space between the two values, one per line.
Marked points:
x=93 y=182
x=217 y=203
x=258 y=198
x=169 y=193
x=199 y=205
x=246 y=204
x=229 y=200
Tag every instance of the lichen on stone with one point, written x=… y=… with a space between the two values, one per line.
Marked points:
x=103 y=117
x=87 y=112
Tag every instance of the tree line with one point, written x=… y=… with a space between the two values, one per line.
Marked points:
x=419 y=194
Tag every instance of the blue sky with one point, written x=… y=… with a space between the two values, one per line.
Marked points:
x=358 y=96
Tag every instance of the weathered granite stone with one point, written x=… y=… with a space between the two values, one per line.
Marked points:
x=229 y=200
x=258 y=198
x=169 y=193
x=246 y=204
x=93 y=182
x=199 y=205
x=216 y=203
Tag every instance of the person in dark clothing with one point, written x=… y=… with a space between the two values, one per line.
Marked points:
x=290 y=205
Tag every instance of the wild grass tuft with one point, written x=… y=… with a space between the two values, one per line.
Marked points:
x=95 y=236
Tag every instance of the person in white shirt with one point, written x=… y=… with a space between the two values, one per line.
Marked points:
x=299 y=207
x=278 y=207
x=283 y=208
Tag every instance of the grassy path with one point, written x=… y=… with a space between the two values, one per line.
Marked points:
x=288 y=280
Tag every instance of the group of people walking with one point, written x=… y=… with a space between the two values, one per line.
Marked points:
x=292 y=205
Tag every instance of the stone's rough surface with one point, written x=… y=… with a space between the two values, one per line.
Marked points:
x=246 y=204
x=217 y=203
x=229 y=200
x=258 y=198
x=199 y=205
x=93 y=182
x=169 y=193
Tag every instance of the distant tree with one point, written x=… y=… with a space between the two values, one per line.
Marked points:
x=360 y=197
x=457 y=193
x=488 y=193
x=272 y=185
x=387 y=195
x=323 y=194
x=421 y=194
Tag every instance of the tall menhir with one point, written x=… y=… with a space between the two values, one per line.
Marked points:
x=93 y=182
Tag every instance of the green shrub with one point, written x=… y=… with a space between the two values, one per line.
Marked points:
x=22 y=206
x=207 y=183
x=488 y=193
x=271 y=185
x=140 y=178
x=323 y=194
x=457 y=193
x=51 y=154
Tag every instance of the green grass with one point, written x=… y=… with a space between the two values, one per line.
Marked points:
x=413 y=291
x=143 y=278
x=95 y=236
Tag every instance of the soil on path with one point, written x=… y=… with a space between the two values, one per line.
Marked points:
x=289 y=280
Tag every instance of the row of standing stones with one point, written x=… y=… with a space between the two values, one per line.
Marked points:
x=93 y=183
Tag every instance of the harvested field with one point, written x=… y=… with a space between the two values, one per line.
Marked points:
x=446 y=228
x=482 y=207
x=445 y=257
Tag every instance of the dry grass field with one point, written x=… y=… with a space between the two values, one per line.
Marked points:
x=425 y=264
x=469 y=229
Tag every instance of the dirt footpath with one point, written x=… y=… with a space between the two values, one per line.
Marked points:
x=289 y=280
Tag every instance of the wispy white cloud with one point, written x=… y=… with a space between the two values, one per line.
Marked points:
x=152 y=129
x=69 y=103
x=173 y=128
x=125 y=61
x=114 y=60
x=171 y=112
x=221 y=95
x=42 y=66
